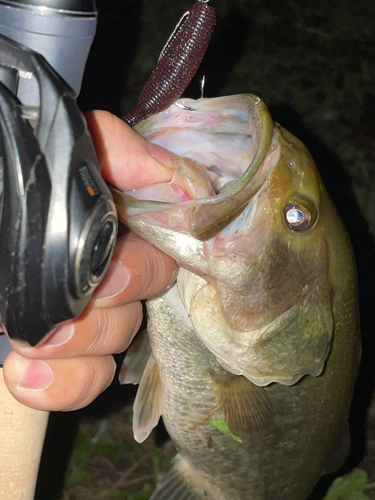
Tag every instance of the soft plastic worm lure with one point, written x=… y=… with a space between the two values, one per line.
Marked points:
x=177 y=64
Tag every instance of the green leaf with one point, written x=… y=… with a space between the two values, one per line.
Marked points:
x=343 y=486
x=81 y=450
x=220 y=425
x=357 y=495
x=157 y=456
x=105 y=446
x=77 y=477
x=110 y=495
x=137 y=496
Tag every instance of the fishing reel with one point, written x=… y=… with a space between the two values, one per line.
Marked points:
x=58 y=222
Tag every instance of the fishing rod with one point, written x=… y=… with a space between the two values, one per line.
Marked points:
x=58 y=222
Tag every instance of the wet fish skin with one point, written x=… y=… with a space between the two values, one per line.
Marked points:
x=305 y=366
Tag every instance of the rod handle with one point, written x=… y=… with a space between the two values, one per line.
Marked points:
x=22 y=432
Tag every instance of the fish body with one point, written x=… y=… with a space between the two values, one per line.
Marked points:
x=259 y=336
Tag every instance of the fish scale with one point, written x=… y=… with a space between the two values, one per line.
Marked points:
x=261 y=330
x=261 y=469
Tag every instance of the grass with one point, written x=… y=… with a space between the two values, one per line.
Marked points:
x=106 y=463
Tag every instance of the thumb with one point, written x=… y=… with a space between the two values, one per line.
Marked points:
x=126 y=159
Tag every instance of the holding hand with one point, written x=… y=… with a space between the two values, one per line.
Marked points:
x=75 y=364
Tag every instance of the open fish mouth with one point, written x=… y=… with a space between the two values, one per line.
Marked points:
x=237 y=133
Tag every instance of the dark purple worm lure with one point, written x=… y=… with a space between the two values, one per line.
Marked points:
x=178 y=63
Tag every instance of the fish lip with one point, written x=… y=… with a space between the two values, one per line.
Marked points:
x=209 y=215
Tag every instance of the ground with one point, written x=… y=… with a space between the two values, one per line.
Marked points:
x=313 y=63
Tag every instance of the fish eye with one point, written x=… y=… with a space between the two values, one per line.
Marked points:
x=297 y=216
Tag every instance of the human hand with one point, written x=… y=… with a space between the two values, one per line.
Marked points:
x=75 y=364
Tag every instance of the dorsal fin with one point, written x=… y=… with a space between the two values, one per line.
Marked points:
x=147 y=404
x=245 y=406
x=135 y=360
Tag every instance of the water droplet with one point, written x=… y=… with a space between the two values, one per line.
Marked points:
x=293 y=164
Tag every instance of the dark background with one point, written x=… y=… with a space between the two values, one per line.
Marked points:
x=313 y=64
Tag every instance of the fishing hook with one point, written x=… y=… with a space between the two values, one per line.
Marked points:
x=181 y=104
x=203 y=83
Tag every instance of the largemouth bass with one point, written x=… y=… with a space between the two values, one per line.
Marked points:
x=255 y=349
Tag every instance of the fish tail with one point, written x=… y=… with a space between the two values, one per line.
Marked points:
x=180 y=483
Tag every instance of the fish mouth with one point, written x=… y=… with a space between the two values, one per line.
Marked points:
x=211 y=214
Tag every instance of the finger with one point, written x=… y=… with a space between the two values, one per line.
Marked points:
x=109 y=324
x=127 y=160
x=97 y=332
x=138 y=271
x=63 y=384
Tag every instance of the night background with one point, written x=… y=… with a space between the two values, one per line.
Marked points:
x=313 y=63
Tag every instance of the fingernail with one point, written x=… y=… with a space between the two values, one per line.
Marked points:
x=115 y=282
x=173 y=277
x=35 y=375
x=163 y=156
x=60 y=336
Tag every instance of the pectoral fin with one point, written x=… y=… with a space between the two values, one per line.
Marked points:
x=148 y=402
x=246 y=407
x=135 y=360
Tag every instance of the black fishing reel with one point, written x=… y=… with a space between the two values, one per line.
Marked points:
x=58 y=222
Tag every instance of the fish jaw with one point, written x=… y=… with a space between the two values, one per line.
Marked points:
x=263 y=302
